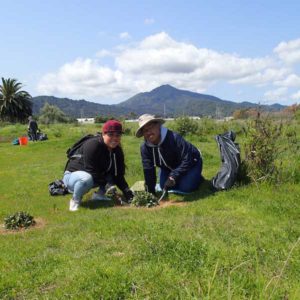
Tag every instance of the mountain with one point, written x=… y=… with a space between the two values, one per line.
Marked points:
x=164 y=100
x=167 y=100
x=77 y=108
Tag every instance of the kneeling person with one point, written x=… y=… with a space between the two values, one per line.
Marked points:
x=179 y=161
x=98 y=162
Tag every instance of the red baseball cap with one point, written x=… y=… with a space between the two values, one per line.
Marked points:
x=112 y=126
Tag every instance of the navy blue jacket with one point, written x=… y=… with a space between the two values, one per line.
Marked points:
x=174 y=153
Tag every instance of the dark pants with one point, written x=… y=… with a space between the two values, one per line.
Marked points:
x=188 y=182
x=33 y=135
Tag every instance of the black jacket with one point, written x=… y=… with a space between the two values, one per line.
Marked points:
x=97 y=160
x=33 y=126
x=174 y=153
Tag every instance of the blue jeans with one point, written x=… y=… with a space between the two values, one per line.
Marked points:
x=78 y=183
x=188 y=182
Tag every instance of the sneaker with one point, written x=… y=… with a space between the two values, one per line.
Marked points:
x=73 y=205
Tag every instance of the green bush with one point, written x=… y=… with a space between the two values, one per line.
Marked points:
x=103 y=119
x=142 y=198
x=19 y=220
x=265 y=143
x=51 y=114
x=185 y=125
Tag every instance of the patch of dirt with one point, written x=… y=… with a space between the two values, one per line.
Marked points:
x=40 y=223
x=162 y=204
x=4 y=139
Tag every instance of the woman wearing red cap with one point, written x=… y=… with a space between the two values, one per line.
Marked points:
x=98 y=162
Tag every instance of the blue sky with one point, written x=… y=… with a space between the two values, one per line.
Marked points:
x=107 y=51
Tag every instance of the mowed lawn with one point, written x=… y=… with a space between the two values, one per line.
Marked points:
x=239 y=244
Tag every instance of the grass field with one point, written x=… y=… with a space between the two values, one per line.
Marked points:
x=239 y=244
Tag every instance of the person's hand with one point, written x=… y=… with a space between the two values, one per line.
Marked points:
x=128 y=194
x=170 y=182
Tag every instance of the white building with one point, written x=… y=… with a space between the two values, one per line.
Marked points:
x=86 y=120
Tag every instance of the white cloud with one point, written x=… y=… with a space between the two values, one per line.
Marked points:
x=275 y=95
x=159 y=59
x=289 y=52
x=125 y=35
x=161 y=54
x=263 y=76
x=103 y=53
x=149 y=21
x=83 y=78
x=292 y=80
x=296 y=96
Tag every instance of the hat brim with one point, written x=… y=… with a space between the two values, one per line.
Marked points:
x=139 y=132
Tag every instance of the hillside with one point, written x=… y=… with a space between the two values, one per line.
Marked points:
x=167 y=100
x=164 y=100
x=77 y=108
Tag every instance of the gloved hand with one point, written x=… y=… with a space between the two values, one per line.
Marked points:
x=170 y=182
x=128 y=194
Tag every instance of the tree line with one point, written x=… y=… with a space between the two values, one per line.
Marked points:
x=16 y=105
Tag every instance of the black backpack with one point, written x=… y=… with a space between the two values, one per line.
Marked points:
x=231 y=160
x=57 y=187
x=73 y=149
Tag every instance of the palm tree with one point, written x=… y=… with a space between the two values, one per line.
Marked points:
x=15 y=104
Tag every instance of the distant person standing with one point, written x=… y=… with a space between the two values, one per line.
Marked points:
x=32 y=128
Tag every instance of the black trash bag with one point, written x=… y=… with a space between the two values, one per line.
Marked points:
x=57 y=187
x=231 y=160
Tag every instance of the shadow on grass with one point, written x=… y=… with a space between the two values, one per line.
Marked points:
x=205 y=190
x=90 y=204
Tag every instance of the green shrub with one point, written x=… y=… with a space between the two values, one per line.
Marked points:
x=19 y=220
x=51 y=114
x=266 y=141
x=103 y=119
x=185 y=125
x=142 y=198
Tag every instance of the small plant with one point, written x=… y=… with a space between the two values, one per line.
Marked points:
x=19 y=220
x=142 y=198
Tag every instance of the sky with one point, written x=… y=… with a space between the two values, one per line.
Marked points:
x=108 y=51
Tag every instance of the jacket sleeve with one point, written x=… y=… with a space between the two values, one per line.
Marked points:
x=149 y=169
x=120 y=180
x=185 y=151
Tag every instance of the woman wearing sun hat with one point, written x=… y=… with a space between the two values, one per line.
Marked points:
x=98 y=162
x=179 y=161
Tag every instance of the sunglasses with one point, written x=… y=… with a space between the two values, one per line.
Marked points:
x=113 y=134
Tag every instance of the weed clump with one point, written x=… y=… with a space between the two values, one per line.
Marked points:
x=185 y=125
x=143 y=198
x=19 y=220
x=266 y=141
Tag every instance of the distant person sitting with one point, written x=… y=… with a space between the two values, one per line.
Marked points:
x=179 y=161
x=32 y=129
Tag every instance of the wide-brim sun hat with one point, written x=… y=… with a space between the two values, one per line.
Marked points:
x=146 y=119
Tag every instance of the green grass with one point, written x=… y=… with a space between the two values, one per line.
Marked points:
x=238 y=244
